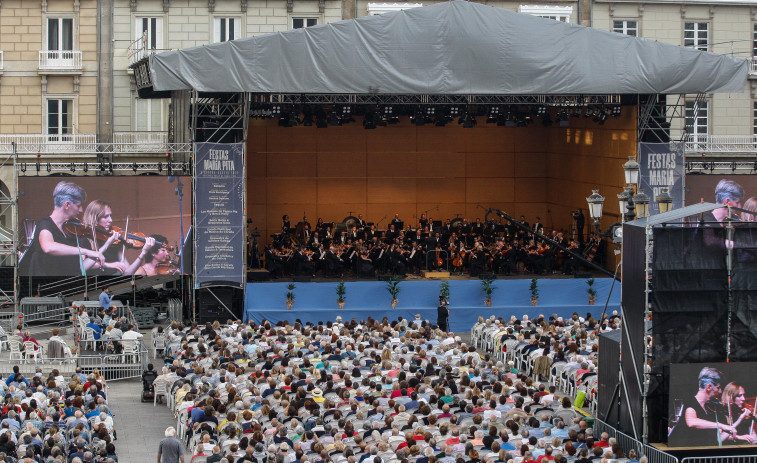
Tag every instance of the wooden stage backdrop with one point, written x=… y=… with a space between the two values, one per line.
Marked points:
x=407 y=169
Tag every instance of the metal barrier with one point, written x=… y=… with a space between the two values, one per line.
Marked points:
x=728 y=459
x=112 y=366
x=627 y=443
x=175 y=311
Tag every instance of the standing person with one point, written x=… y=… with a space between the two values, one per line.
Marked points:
x=442 y=314
x=105 y=299
x=170 y=449
x=55 y=252
x=578 y=216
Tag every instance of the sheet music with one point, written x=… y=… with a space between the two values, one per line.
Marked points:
x=412 y=254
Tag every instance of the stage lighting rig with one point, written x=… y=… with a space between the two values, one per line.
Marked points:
x=616 y=111
x=493 y=115
x=467 y=120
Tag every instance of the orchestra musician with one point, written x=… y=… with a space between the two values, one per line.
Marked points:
x=738 y=415
x=396 y=221
x=98 y=214
x=152 y=256
x=54 y=252
x=285 y=225
x=360 y=223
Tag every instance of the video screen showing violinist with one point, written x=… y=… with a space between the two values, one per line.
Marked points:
x=103 y=225
x=712 y=404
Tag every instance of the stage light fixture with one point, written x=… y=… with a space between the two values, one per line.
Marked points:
x=49 y=168
x=541 y=110
x=160 y=167
x=418 y=117
x=134 y=167
x=38 y=167
x=546 y=121
x=86 y=168
x=493 y=115
x=307 y=116
x=73 y=167
x=563 y=118
x=454 y=111
x=369 y=120
x=23 y=167
x=346 y=114
x=467 y=120
x=577 y=112
x=102 y=167
x=110 y=168
x=275 y=110
x=334 y=119
x=616 y=111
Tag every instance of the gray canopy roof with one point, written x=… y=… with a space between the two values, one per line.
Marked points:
x=454 y=47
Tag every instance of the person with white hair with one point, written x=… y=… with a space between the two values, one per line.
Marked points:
x=170 y=449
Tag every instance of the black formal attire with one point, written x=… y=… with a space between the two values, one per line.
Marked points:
x=41 y=264
x=442 y=317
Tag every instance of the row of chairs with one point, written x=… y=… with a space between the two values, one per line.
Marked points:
x=560 y=375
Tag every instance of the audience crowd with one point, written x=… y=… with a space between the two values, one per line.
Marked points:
x=380 y=392
x=49 y=418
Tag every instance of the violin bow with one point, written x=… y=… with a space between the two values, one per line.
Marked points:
x=123 y=239
x=94 y=245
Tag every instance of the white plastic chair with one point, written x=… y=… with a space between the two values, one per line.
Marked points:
x=15 y=350
x=159 y=388
x=158 y=344
x=87 y=338
x=32 y=351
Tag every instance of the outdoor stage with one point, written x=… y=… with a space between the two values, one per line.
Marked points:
x=317 y=301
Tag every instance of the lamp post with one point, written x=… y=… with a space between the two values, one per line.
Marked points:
x=664 y=201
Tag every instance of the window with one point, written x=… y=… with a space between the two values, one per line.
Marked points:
x=60 y=115
x=148 y=115
x=299 y=23
x=696 y=35
x=558 y=13
x=226 y=29
x=697 y=117
x=154 y=29
x=626 y=27
x=60 y=34
x=754 y=41
x=754 y=119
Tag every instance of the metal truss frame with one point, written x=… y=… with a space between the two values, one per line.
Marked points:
x=721 y=167
x=64 y=149
x=30 y=169
x=432 y=99
x=228 y=114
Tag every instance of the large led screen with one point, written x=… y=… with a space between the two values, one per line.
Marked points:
x=712 y=404
x=135 y=225
x=740 y=189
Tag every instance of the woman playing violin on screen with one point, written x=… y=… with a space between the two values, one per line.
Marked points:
x=54 y=252
x=739 y=414
x=99 y=217
x=154 y=258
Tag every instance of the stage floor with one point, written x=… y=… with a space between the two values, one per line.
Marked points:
x=316 y=301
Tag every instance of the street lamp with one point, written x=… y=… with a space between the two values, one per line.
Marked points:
x=641 y=200
x=596 y=202
x=623 y=199
x=664 y=201
x=631 y=171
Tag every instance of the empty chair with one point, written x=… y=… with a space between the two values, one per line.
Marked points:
x=15 y=350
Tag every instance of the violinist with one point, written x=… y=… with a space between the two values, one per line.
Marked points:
x=54 y=252
x=738 y=415
x=98 y=215
x=152 y=256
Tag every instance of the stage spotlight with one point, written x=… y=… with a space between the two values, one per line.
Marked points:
x=577 y=112
x=371 y=120
x=38 y=167
x=509 y=119
x=493 y=115
x=589 y=113
x=23 y=167
x=110 y=168
x=307 y=116
x=562 y=118
x=616 y=111
x=86 y=167
x=467 y=120
x=73 y=167
x=275 y=111
x=346 y=115
x=160 y=167
x=49 y=168
x=134 y=167
x=418 y=117
x=321 y=119
x=102 y=167
x=334 y=119
x=541 y=110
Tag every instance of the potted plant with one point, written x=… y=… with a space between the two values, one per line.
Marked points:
x=592 y=292
x=393 y=286
x=487 y=285
x=340 y=292
x=290 y=295
x=444 y=290
x=534 y=291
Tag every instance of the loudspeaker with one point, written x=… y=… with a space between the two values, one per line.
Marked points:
x=210 y=302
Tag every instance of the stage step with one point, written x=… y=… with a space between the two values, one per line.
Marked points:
x=430 y=274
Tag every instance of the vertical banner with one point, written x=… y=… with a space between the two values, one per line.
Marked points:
x=219 y=215
x=661 y=166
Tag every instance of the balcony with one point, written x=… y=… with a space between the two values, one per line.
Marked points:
x=721 y=144
x=140 y=142
x=753 y=66
x=60 y=61
x=79 y=143
x=140 y=49
x=2 y=62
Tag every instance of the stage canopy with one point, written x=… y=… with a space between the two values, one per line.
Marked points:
x=453 y=47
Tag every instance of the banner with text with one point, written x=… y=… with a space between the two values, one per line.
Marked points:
x=219 y=216
x=661 y=166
